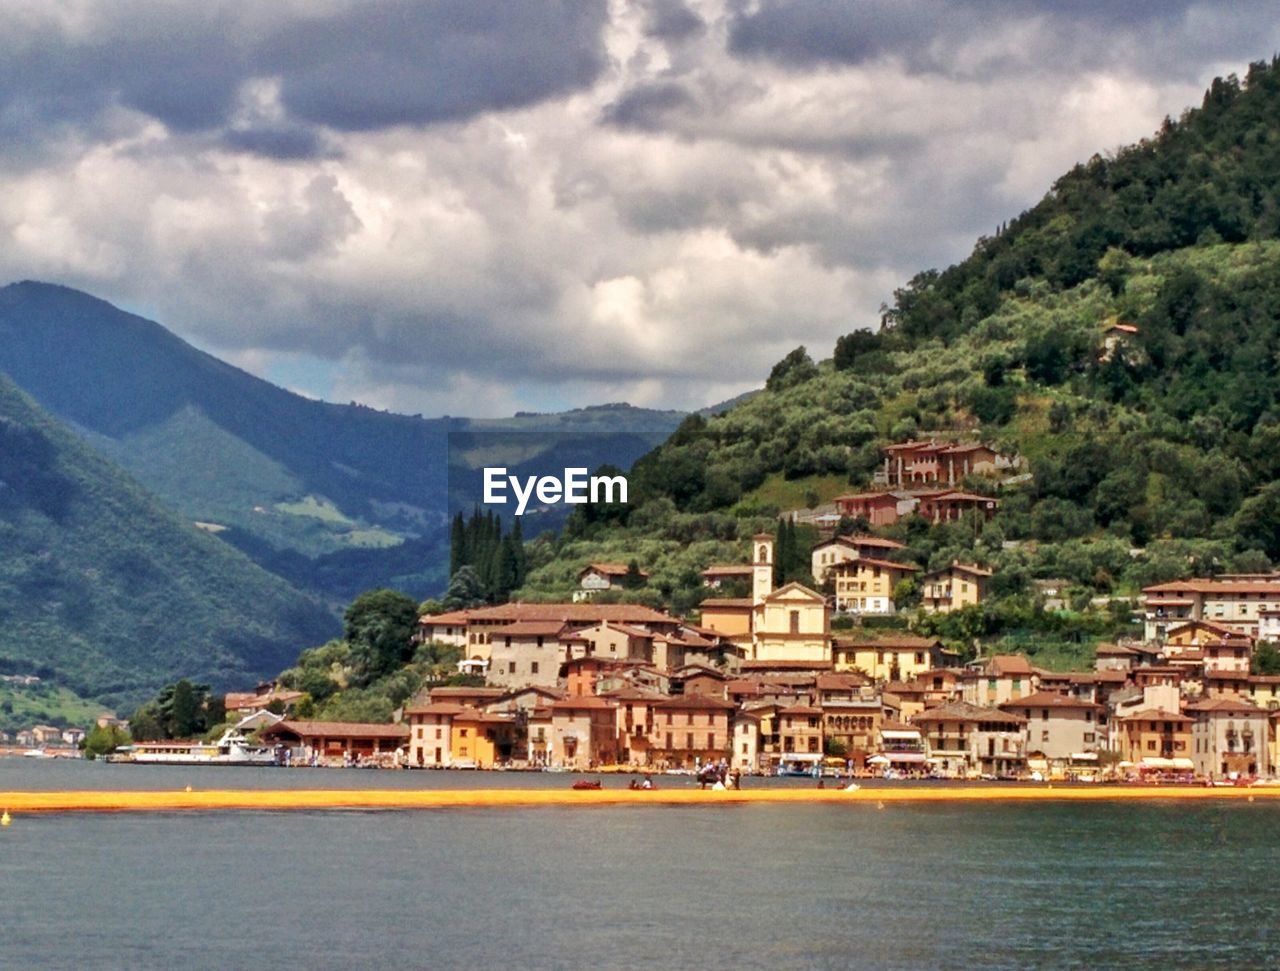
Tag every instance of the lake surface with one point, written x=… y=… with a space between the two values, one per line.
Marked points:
x=1053 y=885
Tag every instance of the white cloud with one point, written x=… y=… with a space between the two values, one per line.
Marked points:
x=659 y=221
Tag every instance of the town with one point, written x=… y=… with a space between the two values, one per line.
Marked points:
x=770 y=682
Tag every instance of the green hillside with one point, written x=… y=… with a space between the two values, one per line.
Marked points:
x=1155 y=459
x=333 y=498
x=105 y=592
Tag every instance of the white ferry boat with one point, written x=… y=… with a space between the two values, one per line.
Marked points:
x=231 y=749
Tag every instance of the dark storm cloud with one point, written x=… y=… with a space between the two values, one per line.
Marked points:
x=413 y=63
x=285 y=143
x=671 y=20
x=645 y=107
x=179 y=70
x=924 y=35
x=366 y=67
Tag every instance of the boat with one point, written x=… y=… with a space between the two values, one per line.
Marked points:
x=587 y=784
x=231 y=749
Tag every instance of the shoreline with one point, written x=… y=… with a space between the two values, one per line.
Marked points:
x=321 y=799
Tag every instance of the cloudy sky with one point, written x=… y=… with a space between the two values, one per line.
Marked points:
x=477 y=207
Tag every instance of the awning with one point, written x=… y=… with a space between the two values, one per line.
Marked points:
x=1171 y=765
x=799 y=757
x=877 y=760
x=1084 y=756
x=901 y=735
x=903 y=757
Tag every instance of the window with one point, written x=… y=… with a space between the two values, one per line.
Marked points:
x=506 y=642
x=668 y=722
x=668 y=740
x=1088 y=736
x=539 y=640
x=462 y=732
x=688 y=741
x=1151 y=745
x=533 y=668
x=1044 y=736
x=438 y=735
x=511 y=667
x=795 y=622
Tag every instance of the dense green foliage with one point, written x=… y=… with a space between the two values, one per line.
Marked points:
x=105 y=592
x=379 y=628
x=497 y=561
x=1149 y=453
x=180 y=710
x=105 y=739
x=335 y=688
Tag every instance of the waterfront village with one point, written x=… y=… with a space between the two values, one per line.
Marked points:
x=762 y=684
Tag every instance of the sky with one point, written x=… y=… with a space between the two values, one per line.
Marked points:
x=487 y=206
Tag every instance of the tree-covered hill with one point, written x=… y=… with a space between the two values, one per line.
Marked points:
x=334 y=498
x=1153 y=450
x=106 y=592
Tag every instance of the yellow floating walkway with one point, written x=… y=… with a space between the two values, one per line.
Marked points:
x=284 y=799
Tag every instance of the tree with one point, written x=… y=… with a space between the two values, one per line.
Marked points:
x=634 y=579
x=796 y=368
x=103 y=740
x=466 y=589
x=185 y=719
x=379 y=626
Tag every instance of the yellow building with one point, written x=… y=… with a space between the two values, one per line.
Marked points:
x=482 y=738
x=890 y=657
x=791 y=624
x=865 y=585
x=955 y=587
x=1157 y=735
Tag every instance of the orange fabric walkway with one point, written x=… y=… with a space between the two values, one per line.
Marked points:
x=283 y=799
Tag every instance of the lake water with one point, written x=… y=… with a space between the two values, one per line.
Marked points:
x=1054 y=885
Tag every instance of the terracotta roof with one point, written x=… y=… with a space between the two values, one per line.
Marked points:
x=861 y=539
x=586 y=612
x=312 y=729
x=529 y=628
x=841 y=680
x=1156 y=715
x=729 y=570
x=437 y=708
x=871 y=561
x=633 y=692
x=1228 y=706
x=865 y=496
x=693 y=670
x=1205 y=585
x=1050 y=699
x=965 y=712
x=1002 y=664
x=970 y=568
x=610 y=569
x=451 y=617
x=961 y=497
x=800 y=710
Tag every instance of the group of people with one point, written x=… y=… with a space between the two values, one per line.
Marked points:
x=717 y=775
x=637 y=784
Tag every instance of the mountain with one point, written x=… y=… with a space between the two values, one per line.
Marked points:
x=105 y=591
x=1122 y=336
x=334 y=498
